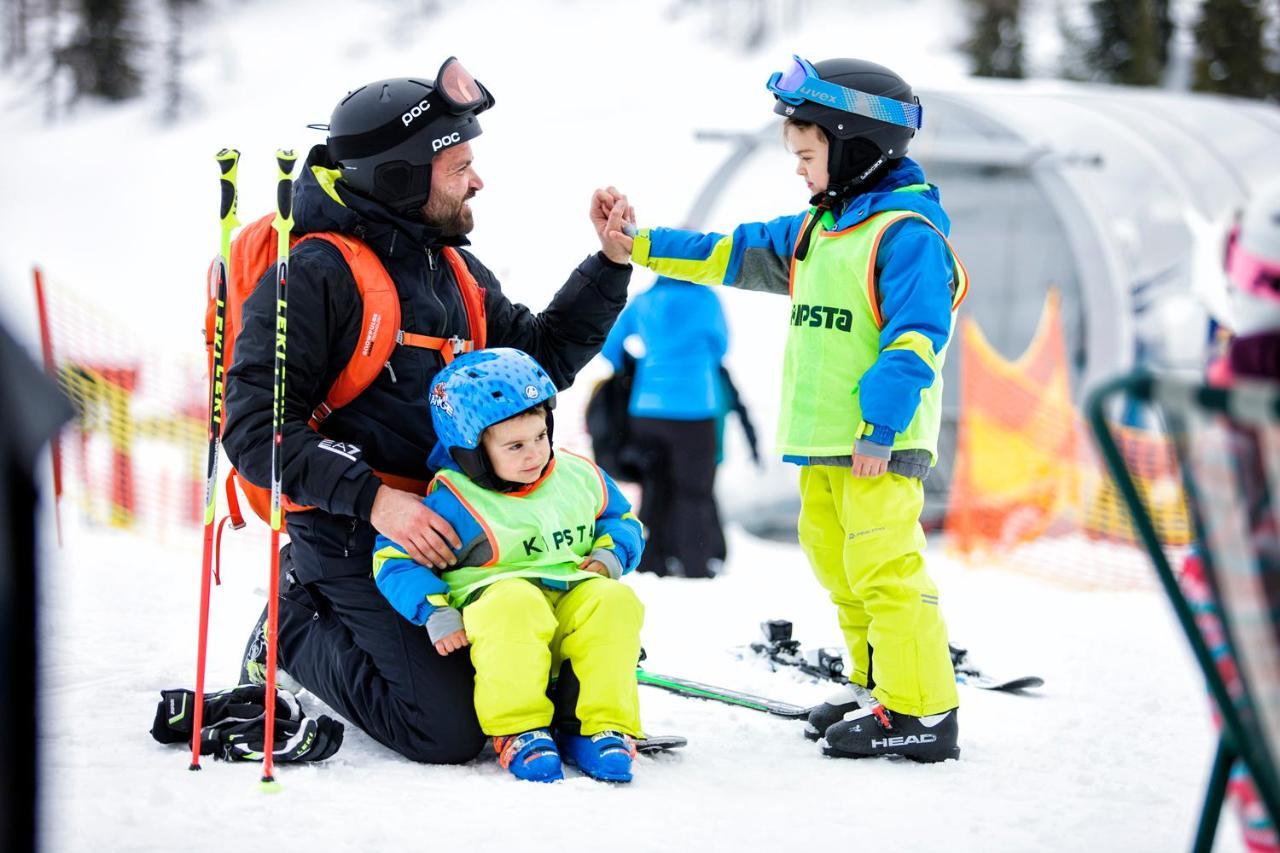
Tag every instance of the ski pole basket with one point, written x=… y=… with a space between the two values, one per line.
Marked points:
x=1227 y=446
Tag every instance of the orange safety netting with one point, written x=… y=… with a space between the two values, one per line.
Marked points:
x=1025 y=472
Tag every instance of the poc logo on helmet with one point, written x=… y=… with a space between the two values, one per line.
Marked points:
x=420 y=108
x=444 y=142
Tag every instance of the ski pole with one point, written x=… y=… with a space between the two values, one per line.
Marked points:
x=228 y=160
x=283 y=224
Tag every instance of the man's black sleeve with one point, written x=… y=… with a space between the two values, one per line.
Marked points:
x=324 y=312
x=570 y=330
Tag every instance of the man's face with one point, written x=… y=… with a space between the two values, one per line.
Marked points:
x=453 y=182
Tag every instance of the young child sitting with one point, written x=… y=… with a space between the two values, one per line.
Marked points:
x=545 y=538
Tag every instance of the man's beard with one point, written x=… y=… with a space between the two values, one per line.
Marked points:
x=453 y=218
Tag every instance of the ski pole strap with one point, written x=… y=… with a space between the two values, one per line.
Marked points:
x=233 y=501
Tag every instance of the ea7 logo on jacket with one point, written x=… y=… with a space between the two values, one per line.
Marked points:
x=822 y=317
x=342 y=448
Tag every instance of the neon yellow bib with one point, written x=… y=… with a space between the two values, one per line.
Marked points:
x=835 y=338
x=544 y=533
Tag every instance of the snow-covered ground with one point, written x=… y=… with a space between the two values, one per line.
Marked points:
x=1110 y=755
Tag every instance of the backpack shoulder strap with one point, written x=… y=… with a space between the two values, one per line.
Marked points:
x=379 y=323
x=472 y=296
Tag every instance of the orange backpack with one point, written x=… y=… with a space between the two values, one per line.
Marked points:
x=253 y=252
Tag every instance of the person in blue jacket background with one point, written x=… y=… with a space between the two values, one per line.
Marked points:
x=676 y=404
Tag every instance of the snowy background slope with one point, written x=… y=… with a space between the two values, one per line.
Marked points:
x=1111 y=755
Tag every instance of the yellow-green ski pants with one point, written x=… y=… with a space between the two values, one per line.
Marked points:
x=520 y=632
x=862 y=536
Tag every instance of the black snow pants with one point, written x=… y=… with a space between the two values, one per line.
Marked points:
x=678 y=505
x=344 y=642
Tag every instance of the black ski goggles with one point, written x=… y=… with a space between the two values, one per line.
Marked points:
x=459 y=90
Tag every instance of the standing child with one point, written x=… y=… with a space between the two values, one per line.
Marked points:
x=544 y=540
x=874 y=286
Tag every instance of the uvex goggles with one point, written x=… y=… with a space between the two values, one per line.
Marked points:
x=460 y=92
x=800 y=83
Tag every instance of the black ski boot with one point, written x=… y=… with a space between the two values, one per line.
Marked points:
x=830 y=712
x=869 y=732
x=253 y=666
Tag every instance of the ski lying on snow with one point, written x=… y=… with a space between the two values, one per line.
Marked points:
x=700 y=690
x=828 y=664
x=659 y=743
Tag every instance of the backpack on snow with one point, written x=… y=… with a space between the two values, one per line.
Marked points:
x=253 y=252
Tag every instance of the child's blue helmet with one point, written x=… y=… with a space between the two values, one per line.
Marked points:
x=478 y=390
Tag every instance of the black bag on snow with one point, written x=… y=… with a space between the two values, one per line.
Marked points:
x=609 y=424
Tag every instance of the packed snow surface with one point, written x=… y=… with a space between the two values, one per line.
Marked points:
x=1111 y=754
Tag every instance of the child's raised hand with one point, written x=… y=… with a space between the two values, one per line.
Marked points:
x=610 y=213
x=452 y=642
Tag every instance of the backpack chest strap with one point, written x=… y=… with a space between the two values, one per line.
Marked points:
x=449 y=348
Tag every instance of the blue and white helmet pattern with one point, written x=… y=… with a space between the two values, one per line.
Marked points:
x=479 y=389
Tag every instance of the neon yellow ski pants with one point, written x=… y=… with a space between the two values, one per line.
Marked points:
x=520 y=632
x=862 y=536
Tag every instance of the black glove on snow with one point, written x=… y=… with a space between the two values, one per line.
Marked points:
x=234 y=724
x=294 y=740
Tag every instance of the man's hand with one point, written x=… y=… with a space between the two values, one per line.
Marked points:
x=422 y=532
x=452 y=642
x=869 y=466
x=609 y=211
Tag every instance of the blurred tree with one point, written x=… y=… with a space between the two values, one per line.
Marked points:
x=1130 y=41
x=174 y=94
x=102 y=52
x=1231 y=54
x=994 y=45
x=17 y=20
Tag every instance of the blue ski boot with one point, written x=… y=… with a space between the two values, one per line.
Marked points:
x=531 y=755
x=605 y=756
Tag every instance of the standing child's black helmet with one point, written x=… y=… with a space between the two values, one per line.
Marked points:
x=867 y=112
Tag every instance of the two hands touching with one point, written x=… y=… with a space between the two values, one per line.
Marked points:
x=612 y=216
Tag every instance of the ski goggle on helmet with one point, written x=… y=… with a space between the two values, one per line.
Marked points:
x=799 y=82
x=460 y=91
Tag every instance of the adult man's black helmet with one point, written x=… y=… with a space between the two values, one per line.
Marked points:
x=384 y=135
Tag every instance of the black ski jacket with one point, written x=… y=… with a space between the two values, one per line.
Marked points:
x=388 y=427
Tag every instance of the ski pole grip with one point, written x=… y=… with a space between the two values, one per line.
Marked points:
x=228 y=163
x=284 y=183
